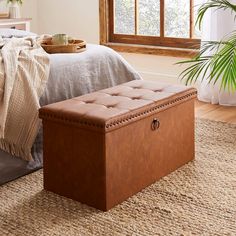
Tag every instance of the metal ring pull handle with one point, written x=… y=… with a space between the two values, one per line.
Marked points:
x=155 y=124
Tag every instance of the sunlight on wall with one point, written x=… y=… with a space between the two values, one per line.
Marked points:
x=78 y=18
x=153 y=67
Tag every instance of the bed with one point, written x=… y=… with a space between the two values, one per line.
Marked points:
x=71 y=75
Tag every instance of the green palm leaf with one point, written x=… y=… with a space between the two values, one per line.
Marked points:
x=216 y=61
x=217 y=4
x=220 y=63
x=18 y=1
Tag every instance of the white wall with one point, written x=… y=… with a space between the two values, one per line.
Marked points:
x=77 y=18
x=153 y=67
x=30 y=9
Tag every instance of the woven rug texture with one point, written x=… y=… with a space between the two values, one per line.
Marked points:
x=197 y=199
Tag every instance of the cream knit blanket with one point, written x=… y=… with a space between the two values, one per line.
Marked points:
x=24 y=70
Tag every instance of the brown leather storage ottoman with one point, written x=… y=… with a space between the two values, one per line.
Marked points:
x=103 y=147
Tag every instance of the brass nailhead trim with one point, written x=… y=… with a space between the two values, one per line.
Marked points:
x=118 y=122
x=45 y=115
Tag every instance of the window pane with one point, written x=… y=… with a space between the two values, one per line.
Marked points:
x=149 y=17
x=124 y=16
x=177 y=18
x=197 y=4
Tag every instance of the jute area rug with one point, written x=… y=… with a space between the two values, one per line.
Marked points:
x=198 y=199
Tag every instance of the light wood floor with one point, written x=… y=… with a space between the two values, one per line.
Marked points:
x=215 y=112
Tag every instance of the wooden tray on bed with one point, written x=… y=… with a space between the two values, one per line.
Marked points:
x=73 y=47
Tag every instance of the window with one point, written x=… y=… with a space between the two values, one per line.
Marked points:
x=168 y=23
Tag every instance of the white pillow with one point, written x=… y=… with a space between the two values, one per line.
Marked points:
x=9 y=33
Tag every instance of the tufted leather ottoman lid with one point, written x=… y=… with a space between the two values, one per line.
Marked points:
x=114 y=107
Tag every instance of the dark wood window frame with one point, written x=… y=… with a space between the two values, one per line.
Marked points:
x=145 y=44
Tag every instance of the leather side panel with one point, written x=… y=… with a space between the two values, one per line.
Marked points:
x=74 y=163
x=136 y=156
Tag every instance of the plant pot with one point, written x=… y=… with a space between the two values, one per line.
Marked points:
x=14 y=10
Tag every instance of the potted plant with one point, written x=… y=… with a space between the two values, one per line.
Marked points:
x=216 y=60
x=14 y=8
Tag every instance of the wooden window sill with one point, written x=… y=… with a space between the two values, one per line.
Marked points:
x=153 y=50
